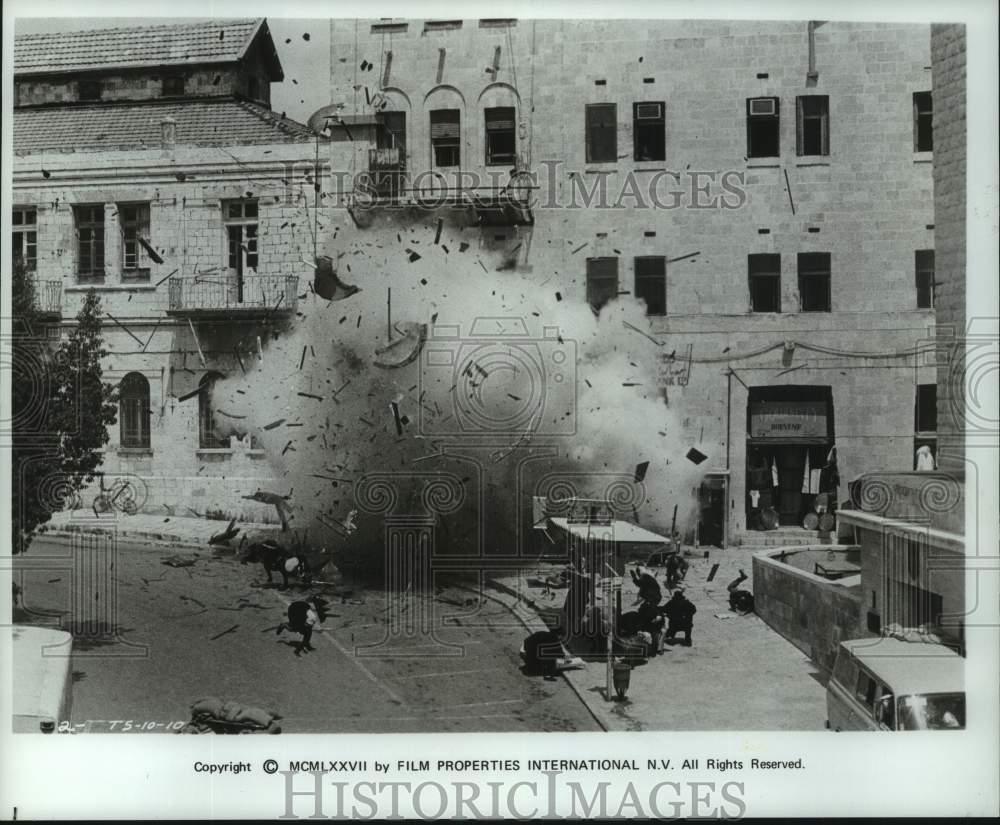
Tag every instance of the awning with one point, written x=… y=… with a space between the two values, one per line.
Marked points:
x=619 y=531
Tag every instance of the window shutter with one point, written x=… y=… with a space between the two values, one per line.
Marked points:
x=497 y=119
x=445 y=124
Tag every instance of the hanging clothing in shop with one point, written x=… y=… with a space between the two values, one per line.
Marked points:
x=805 y=476
x=774 y=472
x=925 y=459
x=830 y=476
x=759 y=477
x=815 y=480
x=754 y=497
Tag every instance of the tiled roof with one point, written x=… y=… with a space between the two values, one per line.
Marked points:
x=204 y=122
x=208 y=41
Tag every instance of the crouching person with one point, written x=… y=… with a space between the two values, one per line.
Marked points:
x=302 y=618
x=680 y=616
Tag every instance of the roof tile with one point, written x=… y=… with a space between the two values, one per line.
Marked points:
x=97 y=127
x=206 y=41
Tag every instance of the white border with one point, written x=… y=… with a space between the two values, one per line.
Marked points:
x=923 y=775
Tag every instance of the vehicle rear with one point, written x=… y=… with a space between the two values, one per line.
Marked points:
x=43 y=679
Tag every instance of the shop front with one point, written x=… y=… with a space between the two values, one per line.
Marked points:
x=792 y=476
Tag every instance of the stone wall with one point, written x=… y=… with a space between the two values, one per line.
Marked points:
x=813 y=613
x=948 y=60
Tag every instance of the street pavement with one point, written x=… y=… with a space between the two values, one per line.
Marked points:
x=184 y=633
x=738 y=674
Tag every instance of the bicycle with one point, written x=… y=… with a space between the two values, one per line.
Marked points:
x=121 y=495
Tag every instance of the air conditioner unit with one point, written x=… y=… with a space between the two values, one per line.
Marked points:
x=649 y=111
x=763 y=106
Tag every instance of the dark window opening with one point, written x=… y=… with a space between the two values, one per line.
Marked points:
x=924 y=267
x=133 y=406
x=649 y=130
x=925 y=413
x=602 y=281
x=173 y=86
x=89 y=241
x=446 y=133
x=24 y=246
x=813 y=125
x=89 y=90
x=501 y=143
x=923 y=122
x=765 y=282
x=651 y=283
x=814 y=281
x=763 y=135
x=602 y=132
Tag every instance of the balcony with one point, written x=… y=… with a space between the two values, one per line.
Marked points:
x=387 y=185
x=225 y=296
x=48 y=298
x=386 y=173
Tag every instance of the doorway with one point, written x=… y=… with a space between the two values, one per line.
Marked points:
x=789 y=444
x=712 y=512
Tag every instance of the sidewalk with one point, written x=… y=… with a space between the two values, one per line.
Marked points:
x=738 y=674
x=177 y=531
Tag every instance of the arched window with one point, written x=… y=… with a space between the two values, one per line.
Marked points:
x=208 y=436
x=133 y=403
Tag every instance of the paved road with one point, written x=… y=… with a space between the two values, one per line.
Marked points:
x=184 y=633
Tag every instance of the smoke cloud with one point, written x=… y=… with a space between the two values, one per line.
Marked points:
x=452 y=368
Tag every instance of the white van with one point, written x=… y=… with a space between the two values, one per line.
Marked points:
x=43 y=679
x=889 y=684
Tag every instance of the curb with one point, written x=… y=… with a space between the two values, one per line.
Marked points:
x=539 y=625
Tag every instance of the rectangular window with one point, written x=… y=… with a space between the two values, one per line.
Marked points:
x=500 y=136
x=441 y=25
x=814 y=281
x=602 y=281
x=133 y=219
x=89 y=222
x=764 y=272
x=650 y=131
x=602 y=132
x=924 y=267
x=173 y=86
x=446 y=135
x=812 y=132
x=651 y=283
x=24 y=246
x=763 y=135
x=925 y=412
x=923 y=122
x=389 y=28
x=240 y=220
x=865 y=690
x=88 y=90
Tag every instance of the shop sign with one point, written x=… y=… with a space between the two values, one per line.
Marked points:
x=788 y=419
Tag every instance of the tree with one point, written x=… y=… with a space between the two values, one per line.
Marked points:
x=82 y=405
x=60 y=410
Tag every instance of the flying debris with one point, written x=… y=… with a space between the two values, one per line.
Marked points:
x=403 y=350
x=327 y=285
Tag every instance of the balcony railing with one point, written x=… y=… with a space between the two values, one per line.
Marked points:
x=48 y=297
x=384 y=158
x=226 y=295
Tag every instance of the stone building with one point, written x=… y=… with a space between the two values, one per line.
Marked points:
x=911 y=526
x=149 y=166
x=764 y=188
